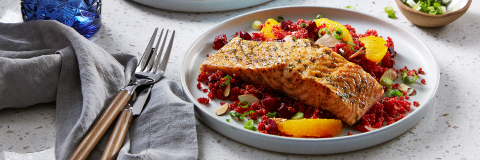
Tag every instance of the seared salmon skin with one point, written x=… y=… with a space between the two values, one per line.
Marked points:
x=312 y=74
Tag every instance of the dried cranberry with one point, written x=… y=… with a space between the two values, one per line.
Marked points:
x=273 y=125
x=219 y=41
x=284 y=112
x=311 y=28
x=285 y=25
x=244 y=35
x=269 y=104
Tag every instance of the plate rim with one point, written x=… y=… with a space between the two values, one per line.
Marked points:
x=341 y=138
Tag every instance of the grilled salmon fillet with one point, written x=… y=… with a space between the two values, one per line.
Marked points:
x=311 y=74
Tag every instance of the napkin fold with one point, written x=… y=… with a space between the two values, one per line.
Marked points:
x=46 y=61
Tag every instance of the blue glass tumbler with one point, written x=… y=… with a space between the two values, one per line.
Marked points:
x=82 y=15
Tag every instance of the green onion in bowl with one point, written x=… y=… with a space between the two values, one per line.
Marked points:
x=433 y=7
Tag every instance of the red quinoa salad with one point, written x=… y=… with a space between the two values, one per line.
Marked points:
x=269 y=105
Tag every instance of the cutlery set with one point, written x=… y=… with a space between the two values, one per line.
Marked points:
x=129 y=101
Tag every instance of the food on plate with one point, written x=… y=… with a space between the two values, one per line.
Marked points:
x=309 y=127
x=311 y=74
x=269 y=30
x=257 y=25
x=222 y=110
x=375 y=48
x=332 y=25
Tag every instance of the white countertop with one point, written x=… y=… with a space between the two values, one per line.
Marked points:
x=449 y=131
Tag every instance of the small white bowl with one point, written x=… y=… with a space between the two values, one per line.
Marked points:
x=427 y=20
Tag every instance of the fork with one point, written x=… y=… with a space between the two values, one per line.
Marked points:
x=123 y=123
x=148 y=71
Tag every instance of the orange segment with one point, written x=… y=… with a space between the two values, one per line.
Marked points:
x=331 y=25
x=311 y=127
x=268 y=27
x=375 y=48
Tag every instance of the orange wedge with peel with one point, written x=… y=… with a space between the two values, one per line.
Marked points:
x=310 y=127
x=375 y=48
x=331 y=25
x=268 y=28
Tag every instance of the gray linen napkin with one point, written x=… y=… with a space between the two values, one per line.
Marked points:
x=46 y=61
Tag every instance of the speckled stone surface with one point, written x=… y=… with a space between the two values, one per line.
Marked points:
x=449 y=131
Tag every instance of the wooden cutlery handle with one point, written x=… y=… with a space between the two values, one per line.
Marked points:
x=102 y=124
x=118 y=135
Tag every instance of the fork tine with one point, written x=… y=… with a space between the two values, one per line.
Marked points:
x=163 y=65
x=153 y=58
x=157 y=61
x=147 y=53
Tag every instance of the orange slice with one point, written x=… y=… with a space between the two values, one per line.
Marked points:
x=268 y=27
x=310 y=127
x=375 y=48
x=331 y=25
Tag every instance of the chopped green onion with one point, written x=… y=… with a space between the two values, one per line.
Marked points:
x=443 y=9
x=298 y=115
x=388 y=9
x=350 y=43
x=387 y=82
x=417 y=7
x=338 y=30
x=243 y=104
x=249 y=125
x=272 y=114
x=247 y=113
x=393 y=93
x=303 y=25
x=228 y=120
x=351 y=7
x=256 y=25
x=227 y=81
x=338 y=33
x=408 y=79
x=327 y=31
x=280 y=19
x=433 y=7
x=339 y=37
x=318 y=16
x=237 y=115
x=391 y=15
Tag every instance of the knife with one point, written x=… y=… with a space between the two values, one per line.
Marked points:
x=123 y=123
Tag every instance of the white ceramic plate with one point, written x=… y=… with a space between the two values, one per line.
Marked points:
x=200 y=5
x=411 y=52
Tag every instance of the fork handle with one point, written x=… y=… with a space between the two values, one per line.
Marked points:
x=97 y=131
x=118 y=135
